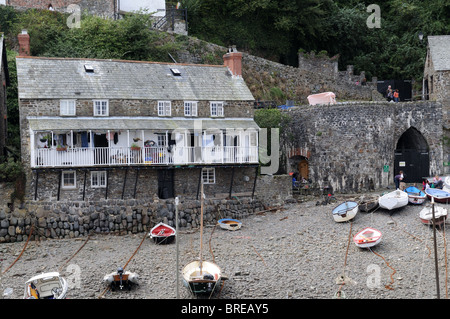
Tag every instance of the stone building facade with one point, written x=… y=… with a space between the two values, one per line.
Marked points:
x=436 y=84
x=360 y=146
x=127 y=129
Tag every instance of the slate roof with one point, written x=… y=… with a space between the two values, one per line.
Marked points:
x=137 y=123
x=57 y=78
x=440 y=51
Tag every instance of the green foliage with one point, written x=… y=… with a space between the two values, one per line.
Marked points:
x=12 y=103
x=10 y=170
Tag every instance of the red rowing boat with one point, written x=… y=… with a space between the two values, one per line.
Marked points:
x=162 y=233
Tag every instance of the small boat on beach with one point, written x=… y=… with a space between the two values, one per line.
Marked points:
x=439 y=195
x=393 y=200
x=202 y=277
x=440 y=215
x=48 y=285
x=199 y=276
x=415 y=195
x=229 y=224
x=367 y=237
x=120 y=279
x=162 y=233
x=345 y=211
x=368 y=203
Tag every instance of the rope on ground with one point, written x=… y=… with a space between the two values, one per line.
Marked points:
x=24 y=247
x=421 y=240
x=340 y=293
x=109 y=287
x=79 y=249
x=392 y=274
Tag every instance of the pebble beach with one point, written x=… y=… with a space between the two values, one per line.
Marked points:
x=295 y=252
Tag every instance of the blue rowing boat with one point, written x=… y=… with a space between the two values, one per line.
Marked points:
x=415 y=195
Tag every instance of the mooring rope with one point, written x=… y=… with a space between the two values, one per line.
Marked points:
x=24 y=247
x=392 y=274
x=109 y=287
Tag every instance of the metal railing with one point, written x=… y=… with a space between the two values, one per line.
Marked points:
x=123 y=156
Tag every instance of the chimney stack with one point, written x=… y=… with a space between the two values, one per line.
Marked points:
x=233 y=60
x=24 y=43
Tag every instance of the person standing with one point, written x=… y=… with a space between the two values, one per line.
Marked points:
x=389 y=93
x=396 y=96
x=397 y=179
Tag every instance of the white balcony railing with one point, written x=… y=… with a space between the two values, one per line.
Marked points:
x=122 y=156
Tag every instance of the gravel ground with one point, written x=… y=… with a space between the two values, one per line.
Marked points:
x=298 y=252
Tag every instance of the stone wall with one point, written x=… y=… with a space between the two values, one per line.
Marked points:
x=73 y=219
x=350 y=143
x=186 y=183
x=104 y=8
x=314 y=74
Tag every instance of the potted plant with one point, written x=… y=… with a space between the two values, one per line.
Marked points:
x=135 y=147
x=60 y=148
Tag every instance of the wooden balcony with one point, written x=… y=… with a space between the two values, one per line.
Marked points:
x=127 y=156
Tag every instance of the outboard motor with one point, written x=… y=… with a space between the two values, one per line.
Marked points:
x=120 y=272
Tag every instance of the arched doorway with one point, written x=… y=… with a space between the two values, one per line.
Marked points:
x=412 y=156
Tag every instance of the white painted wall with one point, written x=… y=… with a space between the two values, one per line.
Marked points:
x=156 y=6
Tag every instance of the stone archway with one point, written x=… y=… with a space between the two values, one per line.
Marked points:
x=412 y=156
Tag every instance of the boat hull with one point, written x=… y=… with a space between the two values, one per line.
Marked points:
x=229 y=224
x=426 y=215
x=367 y=205
x=345 y=211
x=439 y=195
x=415 y=195
x=368 y=237
x=162 y=234
x=202 y=280
x=46 y=286
x=393 y=200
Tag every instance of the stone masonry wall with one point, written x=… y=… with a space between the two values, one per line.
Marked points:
x=350 y=143
x=104 y=8
x=52 y=219
x=314 y=74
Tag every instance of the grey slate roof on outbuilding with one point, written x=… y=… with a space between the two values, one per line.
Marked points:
x=440 y=51
x=59 y=78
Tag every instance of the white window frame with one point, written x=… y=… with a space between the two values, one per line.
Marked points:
x=67 y=107
x=99 y=103
x=63 y=180
x=208 y=175
x=216 y=108
x=164 y=108
x=190 y=108
x=96 y=179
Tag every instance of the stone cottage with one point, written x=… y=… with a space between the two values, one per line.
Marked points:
x=436 y=84
x=110 y=129
x=436 y=78
x=4 y=75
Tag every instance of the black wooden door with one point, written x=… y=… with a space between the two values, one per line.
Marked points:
x=415 y=164
x=165 y=183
